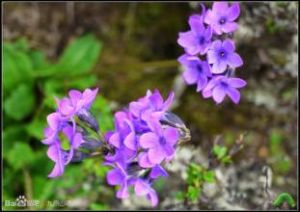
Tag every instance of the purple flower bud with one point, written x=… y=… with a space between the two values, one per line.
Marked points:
x=88 y=118
x=90 y=144
x=78 y=156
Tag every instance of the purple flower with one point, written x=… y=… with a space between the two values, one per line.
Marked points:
x=220 y=86
x=152 y=102
x=196 y=71
x=136 y=157
x=221 y=18
x=160 y=144
x=222 y=54
x=198 y=39
x=77 y=101
x=60 y=156
x=142 y=188
x=119 y=176
x=62 y=122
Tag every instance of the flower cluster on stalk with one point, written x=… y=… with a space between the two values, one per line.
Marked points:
x=142 y=145
x=144 y=139
x=210 y=58
x=63 y=126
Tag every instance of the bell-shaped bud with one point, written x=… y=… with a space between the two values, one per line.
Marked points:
x=87 y=117
x=90 y=144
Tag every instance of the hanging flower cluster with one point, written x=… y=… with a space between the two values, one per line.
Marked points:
x=210 y=58
x=144 y=139
x=63 y=126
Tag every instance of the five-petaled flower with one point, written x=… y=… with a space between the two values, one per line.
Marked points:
x=221 y=86
x=221 y=18
x=198 y=39
x=222 y=54
x=196 y=71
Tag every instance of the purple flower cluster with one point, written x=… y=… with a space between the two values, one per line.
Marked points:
x=210 y=58
x=144 y=138
x=62 y=126
x=142 y=143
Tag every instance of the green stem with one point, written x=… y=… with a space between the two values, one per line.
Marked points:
x=28 y=185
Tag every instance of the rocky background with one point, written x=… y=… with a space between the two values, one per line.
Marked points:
x=140 y=52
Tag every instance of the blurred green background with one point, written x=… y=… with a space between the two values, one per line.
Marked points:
x=125 y=49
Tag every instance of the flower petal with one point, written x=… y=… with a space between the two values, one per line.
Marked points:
x=152 y=196
x=77 y=140
x=218 y=94
x=196 y=25
x=115 y=177
x=144 y=161
x=210 y=17
x=57 y=171
x=156 y=155
x=201 y=83
x=219 y=67
x=123 y=191
x=229 y=27
x=219 y=7
x=169 y=150
x=171 y=135
x=234 y=60
x=88 y=96
x=141 y=188
x=236 y=82
x=156 y=100
x=149 y=140
x=115 y=140
x=75 y=96
x=188 y=41
x=130 y=141
x=233 y=12
x=53 y=120
x=168 y=101
x=228 y=45
x=190 y=76
x=158 y=171
x=65 y=107
x=234 y=94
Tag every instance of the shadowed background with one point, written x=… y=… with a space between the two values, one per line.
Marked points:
x=125 y=49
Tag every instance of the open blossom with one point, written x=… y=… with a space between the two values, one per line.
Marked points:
x=217 y=52
x=141 y=143
x=222 y=16
x=198 y=39
x=221 y=86
x=222 y=54
x=62 y=124
x=196 y=71
x=160 y=144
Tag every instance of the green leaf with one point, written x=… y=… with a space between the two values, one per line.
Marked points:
x=209 y=176
x=219 y=151
x=82 y=82
x=98 y=206
x=179 y=195
x=12 y=134
x=80 y=55
x=36 y=128
x=78 y=58
x=284 y=197
x=193 y=193
x=39 y=61
x=226 y=159
x=17 y=67
x=20 y=103
x=21 y=155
